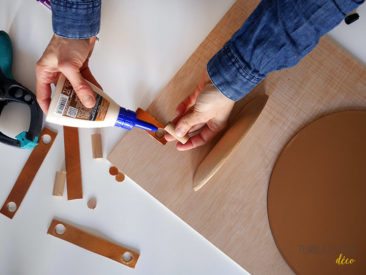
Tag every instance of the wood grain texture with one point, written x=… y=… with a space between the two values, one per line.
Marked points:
x=59 y=185
x=28 y=173
x=232 y=211
x=72 y=161
x=97 y=147
x=93 y=243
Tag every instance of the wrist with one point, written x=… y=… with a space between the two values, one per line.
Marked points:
x=221 y=95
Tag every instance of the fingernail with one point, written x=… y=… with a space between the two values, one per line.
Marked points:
x=88 y=101
x=179 y=132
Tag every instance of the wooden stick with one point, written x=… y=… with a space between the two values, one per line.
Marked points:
x=97 y=146
x=59 y=186
x=170 y=128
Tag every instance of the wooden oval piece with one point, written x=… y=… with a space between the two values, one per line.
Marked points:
x=223 y=149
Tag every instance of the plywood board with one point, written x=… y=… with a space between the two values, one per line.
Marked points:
x=231 y=211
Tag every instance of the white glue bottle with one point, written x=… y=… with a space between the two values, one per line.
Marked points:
x=66 y=109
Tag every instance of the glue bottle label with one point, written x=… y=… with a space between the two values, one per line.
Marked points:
x=69 y=105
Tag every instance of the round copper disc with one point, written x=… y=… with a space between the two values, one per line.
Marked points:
x=113 y=170
x=120 y=177
x=317 y=197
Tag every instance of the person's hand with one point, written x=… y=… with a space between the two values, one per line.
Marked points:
x=205 y=112
x=69 y=57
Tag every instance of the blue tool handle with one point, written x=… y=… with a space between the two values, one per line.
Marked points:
x=6 y=54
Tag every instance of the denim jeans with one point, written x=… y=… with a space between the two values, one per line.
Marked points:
x=277 y=35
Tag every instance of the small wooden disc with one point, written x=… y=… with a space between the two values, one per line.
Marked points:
x=113 y=170
x=120 y=177
x=92 y=203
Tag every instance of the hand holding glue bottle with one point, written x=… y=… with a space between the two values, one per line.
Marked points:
x=76 y=101
x=66 y=109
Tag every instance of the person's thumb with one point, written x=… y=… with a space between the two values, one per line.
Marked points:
x=187 y=122
x=81 y=87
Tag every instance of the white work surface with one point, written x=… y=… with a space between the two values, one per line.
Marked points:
x=142 y=44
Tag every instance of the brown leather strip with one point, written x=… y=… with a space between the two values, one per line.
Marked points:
x=27 y=175
x=72 y=160
x=92 y=243
x=145 y=116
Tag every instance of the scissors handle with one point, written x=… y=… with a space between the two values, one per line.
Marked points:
x=12 y=91
x=6 y=54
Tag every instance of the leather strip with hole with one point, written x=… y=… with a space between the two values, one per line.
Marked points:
x=145 y=116
x=72 y=161
x=93 y=243
x=28 y=173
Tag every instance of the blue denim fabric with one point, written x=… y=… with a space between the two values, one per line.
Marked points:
x=277 y=35
x=77 y=19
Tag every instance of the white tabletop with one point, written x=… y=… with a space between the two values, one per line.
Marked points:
x=142 y=44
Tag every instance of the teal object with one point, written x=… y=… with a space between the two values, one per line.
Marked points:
x=26 y=143
x=6 y=54
x=13 y=91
